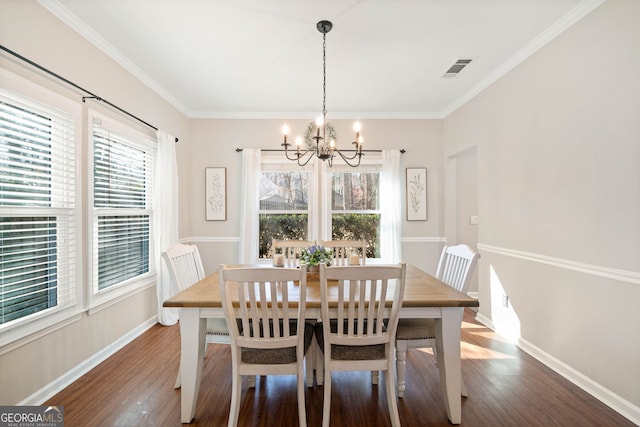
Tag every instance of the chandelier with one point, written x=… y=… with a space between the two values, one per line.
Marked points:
x=321 y=136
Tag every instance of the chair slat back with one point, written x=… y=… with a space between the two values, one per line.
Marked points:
x=260 y=299
x=456 y=266
x=184 y=264
x=291 y=249
x=343 y=250
x=364 y=294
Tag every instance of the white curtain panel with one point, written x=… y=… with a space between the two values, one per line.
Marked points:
x=165 y=220
x=251 y=165
x=391 y=208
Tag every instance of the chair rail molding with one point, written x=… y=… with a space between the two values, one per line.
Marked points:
x=627 y=276
x=435 y=239
x=235 y=239
x=210 y=239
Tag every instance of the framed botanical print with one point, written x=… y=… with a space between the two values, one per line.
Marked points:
x=416 y=194
x=215 y=194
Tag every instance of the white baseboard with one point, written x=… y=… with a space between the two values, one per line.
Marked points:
x=606 y=396
x=603 y=394
x=54 y=387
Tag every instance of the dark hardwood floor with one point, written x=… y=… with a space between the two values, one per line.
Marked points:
x=506 y=387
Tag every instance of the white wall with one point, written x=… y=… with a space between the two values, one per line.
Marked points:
x=33 y=368
x=558 y=143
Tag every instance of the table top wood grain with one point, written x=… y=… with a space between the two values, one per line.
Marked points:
x=421 y=290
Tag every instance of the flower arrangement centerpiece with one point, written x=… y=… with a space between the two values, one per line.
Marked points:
x=316 y=255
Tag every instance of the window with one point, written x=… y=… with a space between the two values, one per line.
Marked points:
x=122 y=172
x=355 y=207
x=37 y=204
x=290 y=196
x=284 y=207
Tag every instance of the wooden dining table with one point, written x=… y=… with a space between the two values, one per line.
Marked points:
x=424 y=297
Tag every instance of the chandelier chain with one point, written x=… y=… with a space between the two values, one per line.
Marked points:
x=324 y=76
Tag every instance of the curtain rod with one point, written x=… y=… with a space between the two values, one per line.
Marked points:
x=92 y=95
x=402 y=150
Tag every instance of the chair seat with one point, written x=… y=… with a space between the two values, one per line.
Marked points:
x=217 y=327
x=349 y=352
x=278 y=356
x=416 y=329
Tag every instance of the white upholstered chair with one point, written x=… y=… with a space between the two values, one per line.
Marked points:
x=265 y=337
x=185 y=268
x=347 y=252
x=291 y=250
x=358 y=336
x=455 y=268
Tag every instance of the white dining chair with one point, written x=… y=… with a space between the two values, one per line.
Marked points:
x=266 y=338
x=291 y=250
x=185 y=268
x=455 y=268
x=347 y=252
x=358 y=334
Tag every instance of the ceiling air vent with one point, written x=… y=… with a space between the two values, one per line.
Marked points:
x=456 y=68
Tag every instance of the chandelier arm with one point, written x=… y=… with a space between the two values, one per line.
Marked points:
x=308 y=158
x=298 y=154
x=346 y=159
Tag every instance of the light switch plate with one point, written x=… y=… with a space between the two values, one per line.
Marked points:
x=474 y=220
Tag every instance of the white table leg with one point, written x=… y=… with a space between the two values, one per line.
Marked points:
x=192 y=335
x=448 y=354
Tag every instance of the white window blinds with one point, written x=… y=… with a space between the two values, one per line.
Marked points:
x=122 y=189
x=37 y=208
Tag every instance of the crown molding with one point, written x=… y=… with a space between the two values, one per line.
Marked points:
x=62 y=13
x=577 y=13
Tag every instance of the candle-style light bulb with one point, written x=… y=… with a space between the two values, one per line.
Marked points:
x=298 y=143
x=357 y=127
x=285 y=131
x=319 y=122
x=332 y=143
x=360 y=142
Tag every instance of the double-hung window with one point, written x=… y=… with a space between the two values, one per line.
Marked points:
x=122 y=162
x=354 y=206
x=319 y=203
x=38 y=206
x=286 y=203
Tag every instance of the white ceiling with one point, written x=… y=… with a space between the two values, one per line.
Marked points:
x=253 y=58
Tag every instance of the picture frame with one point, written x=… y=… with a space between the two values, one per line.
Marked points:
x=416 y=194
x=215 y=181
